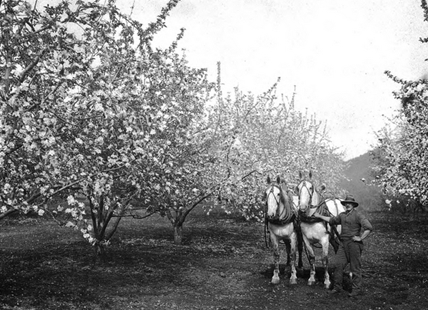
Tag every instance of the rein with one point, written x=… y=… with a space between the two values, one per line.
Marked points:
x=311 y=193
x=302 y=215
x=313 y=219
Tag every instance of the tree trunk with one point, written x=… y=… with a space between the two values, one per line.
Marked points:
x=100 y=250
x=100 y=254
x=178 y=233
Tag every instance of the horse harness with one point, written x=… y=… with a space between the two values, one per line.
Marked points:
x=322 y=209
x=277 y=218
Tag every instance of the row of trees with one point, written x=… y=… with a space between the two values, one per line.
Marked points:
x=91 y=111
x=401 y=156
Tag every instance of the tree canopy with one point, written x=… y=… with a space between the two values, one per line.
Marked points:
x=92 y=111
x=402 y=155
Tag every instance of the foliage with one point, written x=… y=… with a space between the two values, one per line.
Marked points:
x=29 y=88
x=262 y=135
x=100 y=112
x=402 y=151
x=91 y=111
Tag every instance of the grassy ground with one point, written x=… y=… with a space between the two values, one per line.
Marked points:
x=223 y=264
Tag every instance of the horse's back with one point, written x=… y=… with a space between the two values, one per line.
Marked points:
x=334 y=206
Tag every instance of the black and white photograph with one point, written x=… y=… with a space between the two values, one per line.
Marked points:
x=213 y=154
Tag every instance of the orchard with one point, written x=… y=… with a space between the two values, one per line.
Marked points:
x=93 y=113
x=110 y=146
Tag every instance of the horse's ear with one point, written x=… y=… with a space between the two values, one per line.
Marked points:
x=310 y=174
x=300 y=175
x=268 y=180
x=284 y=185
x=278 y=179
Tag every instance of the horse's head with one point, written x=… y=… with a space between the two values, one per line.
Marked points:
x=276 y=199
x=305 y=191
x=308 y=195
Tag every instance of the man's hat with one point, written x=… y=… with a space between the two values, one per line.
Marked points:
x=350 y=199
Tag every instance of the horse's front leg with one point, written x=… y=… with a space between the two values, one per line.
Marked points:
x=311 y=260
x=292 y=253
x=276 y=257
x=288 y=251
x=325 y=244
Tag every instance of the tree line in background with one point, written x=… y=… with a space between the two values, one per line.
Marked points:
x=97 y=124
x=401 y=157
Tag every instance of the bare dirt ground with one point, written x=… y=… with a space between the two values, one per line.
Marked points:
x=223 y=264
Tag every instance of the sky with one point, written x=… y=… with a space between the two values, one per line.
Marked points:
x=335 y=53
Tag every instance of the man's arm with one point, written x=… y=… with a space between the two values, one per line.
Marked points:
x=325 y=218
x=367 y=229
x=363 y=236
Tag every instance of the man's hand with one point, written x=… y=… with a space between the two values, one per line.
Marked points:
x=324 y=218
x=362 y=237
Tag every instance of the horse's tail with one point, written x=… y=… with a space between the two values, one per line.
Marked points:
x=334 y=234
x=334 y=238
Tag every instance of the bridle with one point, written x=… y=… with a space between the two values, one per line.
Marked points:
x=278 y=216
x=286 y=215
x=310 y=191
x=271 y=192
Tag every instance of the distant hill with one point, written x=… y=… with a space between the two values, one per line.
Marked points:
x=358 y=183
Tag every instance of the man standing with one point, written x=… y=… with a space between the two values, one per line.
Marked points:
x=355 y=228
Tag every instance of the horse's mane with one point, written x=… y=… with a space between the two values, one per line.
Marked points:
x=287 y=200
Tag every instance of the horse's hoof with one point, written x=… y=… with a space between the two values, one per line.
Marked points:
x=293 y=281
x=275 y=280
x=310 y=283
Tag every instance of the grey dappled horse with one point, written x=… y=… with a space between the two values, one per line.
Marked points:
x=315 y=230
x=280 y=220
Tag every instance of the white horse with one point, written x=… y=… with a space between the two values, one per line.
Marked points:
x=315 y=230
x=280 y=220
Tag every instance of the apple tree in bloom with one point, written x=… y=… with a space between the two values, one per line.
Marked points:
x=34 y=78
x=92 y=110
x=234 y=142
x=266 y=135
x=402 y=155
x=137 y=110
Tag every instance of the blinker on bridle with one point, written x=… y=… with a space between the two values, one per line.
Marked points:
x=311 y=192
x=274 y=196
